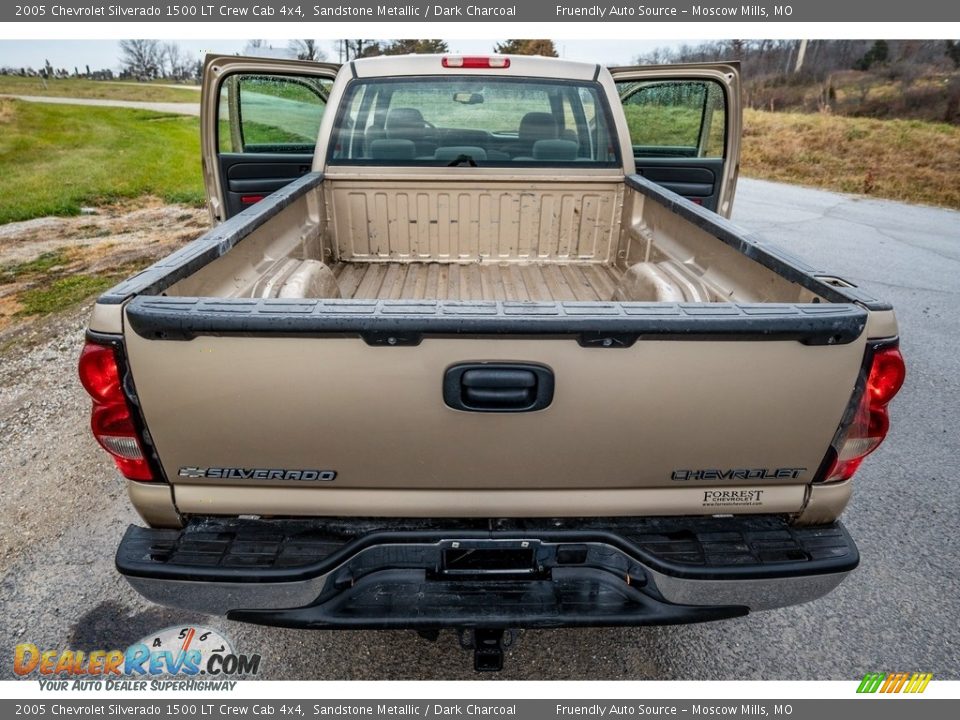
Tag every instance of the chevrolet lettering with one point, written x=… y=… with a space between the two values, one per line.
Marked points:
x=739 y=474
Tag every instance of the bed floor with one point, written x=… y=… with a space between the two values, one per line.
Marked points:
x=477 y=281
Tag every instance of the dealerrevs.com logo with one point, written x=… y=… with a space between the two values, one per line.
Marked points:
x=176 y=658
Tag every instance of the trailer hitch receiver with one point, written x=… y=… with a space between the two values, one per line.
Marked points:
x=487 y=645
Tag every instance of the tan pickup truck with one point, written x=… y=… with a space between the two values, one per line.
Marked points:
x=473 y=345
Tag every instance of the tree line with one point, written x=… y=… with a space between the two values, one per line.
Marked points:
x=872 y=78
x=813 y=59
x=348 y=50
x=144 y=59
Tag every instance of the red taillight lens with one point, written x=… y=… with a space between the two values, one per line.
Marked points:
x=99 y=374
x=871 y=421
x=475 y=61
x=886 y=375
x=110 y=420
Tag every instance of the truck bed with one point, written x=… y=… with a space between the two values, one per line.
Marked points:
x=540 y=240
x=477 y=281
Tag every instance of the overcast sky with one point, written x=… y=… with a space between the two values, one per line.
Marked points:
x=101 y=54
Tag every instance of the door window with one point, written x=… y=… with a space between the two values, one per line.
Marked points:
x=675 y=118
x=270 y=113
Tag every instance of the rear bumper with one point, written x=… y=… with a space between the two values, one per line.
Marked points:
x=350 y=573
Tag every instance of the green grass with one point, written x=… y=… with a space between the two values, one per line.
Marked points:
x=673 y=126
x=62 y=293
x=39 y=264
x=255 y=133
x=55 y=159
x=96 y=89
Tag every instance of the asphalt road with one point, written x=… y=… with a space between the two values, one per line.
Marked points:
x=899 y=611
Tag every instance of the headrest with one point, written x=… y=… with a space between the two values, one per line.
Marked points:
x=537 y=126
x=404 y=119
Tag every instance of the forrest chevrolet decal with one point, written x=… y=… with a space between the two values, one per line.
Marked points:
x=739 y=498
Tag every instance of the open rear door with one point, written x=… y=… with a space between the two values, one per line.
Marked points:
x=259 y=123
x=685 y=123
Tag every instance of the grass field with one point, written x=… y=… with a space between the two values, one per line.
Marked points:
x=103 y=89
x=54 y=159
x=909 y=160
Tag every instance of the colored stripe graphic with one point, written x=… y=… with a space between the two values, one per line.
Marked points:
x=894 y=682
x=921 y=682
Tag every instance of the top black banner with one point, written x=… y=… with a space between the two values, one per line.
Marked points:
x=481 y=11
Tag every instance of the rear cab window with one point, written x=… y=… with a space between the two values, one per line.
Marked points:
x=473 y=121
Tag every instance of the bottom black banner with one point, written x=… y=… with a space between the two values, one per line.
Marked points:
x=874 y=707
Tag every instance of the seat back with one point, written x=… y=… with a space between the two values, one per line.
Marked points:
x=534 y=126
x=388 y=149
x=565 y=150
x=408 y=124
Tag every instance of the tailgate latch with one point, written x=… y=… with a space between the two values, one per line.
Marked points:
x=498 y=387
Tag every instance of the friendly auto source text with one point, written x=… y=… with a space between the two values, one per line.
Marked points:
x=601 y=11
x=756 y=709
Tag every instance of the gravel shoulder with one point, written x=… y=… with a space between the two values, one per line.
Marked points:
x=108 y=242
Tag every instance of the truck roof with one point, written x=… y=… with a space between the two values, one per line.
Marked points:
x=519 y=65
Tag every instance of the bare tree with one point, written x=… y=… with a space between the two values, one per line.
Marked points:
x=412 y=47
x=177 y=63
x=952 y=113
x=952 y=51
x=353 y=49
x=258 y=48
x=141 y=58
x=307 y=50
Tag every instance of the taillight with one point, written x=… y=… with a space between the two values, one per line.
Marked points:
x=99 y=374
x=497 y=62
x=111 y=419
x=870 y=421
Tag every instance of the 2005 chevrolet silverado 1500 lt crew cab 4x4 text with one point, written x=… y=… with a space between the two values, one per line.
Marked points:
x=472 y=345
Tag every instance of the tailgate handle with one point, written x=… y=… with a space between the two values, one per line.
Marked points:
x=498 y=387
